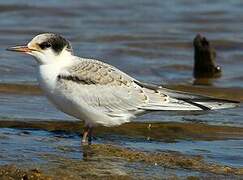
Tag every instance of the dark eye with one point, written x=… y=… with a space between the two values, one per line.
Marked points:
x=45 y=45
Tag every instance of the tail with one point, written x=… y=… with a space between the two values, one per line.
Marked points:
x=182 y=101
x=202 y=102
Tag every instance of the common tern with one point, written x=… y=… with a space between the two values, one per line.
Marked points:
x=99 y=93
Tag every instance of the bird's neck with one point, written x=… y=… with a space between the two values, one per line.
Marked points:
x=64 y=57
x=48 y=73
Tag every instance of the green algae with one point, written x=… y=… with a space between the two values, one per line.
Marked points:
x=163 y=131
x=11 y=172
x=165 y=159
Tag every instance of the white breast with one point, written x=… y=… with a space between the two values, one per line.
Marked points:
x=47 y=77
x=69 y=98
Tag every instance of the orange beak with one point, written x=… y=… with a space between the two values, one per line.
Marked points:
x=23 y=49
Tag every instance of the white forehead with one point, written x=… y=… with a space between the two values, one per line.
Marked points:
x=42 y=37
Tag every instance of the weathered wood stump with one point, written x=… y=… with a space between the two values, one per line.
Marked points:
x=204 y=59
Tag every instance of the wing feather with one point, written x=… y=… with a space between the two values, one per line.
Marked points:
x=107 y=90
x=103 y=88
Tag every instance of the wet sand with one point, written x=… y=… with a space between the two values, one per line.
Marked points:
x=26 y=89
x=166 y=131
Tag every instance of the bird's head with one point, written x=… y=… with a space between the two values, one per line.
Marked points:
x=46 y=48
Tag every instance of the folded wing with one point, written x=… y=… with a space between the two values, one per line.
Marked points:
x=107 y=90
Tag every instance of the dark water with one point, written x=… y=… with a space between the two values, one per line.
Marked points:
x=150 y=40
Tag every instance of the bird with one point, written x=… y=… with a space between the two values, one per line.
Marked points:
x=99 y=93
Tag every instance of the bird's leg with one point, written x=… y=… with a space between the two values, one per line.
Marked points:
x=87 y=134
x=90 y=135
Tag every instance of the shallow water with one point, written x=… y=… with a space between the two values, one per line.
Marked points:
x=50 y=151
x=41 y=148
x=150 y=40
x=213 y=151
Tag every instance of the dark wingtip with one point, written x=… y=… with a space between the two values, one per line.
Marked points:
x=9 y=49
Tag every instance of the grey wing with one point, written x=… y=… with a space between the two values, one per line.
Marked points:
x=107 y=90
x=89 y=71
x=179 y=100
x=103 y=88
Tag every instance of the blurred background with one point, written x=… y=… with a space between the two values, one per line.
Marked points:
x=150 y=40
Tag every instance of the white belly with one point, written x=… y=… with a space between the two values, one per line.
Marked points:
x=68 y=102
x=47 y=77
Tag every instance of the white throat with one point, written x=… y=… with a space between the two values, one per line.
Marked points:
x=48 y=73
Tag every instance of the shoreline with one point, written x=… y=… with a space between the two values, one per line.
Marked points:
x=163 y=131
x=235 y=93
